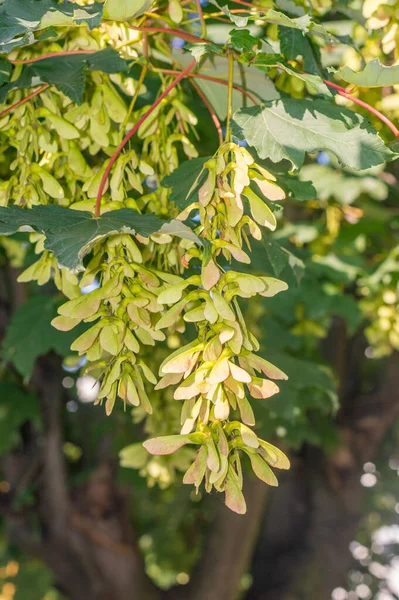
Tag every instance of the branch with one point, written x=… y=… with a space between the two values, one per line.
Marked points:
x=345 y=94
x=213 y=79
x=131 y=133
x=26 y=99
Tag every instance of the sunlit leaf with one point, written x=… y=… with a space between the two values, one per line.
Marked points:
x=290 y=127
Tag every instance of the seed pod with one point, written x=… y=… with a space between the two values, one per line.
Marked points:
x=87 y=339
x=246 y=411
x=261 y=469
x=50 y=185
x=196 y=473
x=113 y=102
x=260 y=211
x=175 y=11
x=206 y=191
x=210 y=274
x=234 y=497
x=63 y=128
x=270 y=190
x=262 y=388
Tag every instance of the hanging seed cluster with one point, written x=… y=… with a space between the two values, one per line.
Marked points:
x=215 y=374
x=149 y=289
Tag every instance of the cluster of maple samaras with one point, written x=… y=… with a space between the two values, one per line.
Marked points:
x=125 y=310
x=218 y=459
x=213 y=374
x=50 y=135
x=232 y=177
x=53 y=138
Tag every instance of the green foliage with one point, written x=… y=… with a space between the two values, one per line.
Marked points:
x=199 y=51
x=16 y=408
x=343 y=187
x=241 y=39
x=30 y=334
x=309 y=395
x=130 y=9
x=185 y=181
x=66 y=73
x=280 y=258
x=294 y=43
x=314 y=83
x=19 y=19
x=237 y=20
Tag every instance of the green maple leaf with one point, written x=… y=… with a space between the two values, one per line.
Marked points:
x=20 y=18
x=71 y=234
x=30 y=334
x=375 y=74
x=288 y=128
x=182 y=180
x=66 y=73
x=16 y=407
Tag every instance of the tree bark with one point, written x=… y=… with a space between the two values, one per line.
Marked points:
x=229 y=546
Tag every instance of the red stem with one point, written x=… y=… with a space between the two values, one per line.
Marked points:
x=214 y=79
x=134 y=129
x=51 y=55
x=211 y=111
x=335 y=86
x=181 y=34
x=26 y=99
x=342 y=92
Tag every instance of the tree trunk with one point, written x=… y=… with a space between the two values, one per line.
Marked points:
x=229 y=547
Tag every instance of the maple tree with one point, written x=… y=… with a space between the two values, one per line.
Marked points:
x=181 y=178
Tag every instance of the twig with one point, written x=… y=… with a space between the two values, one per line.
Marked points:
x=210 y=109
x=26 y=99
x=131 y=133
x=213 y=79
x=348 y=95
